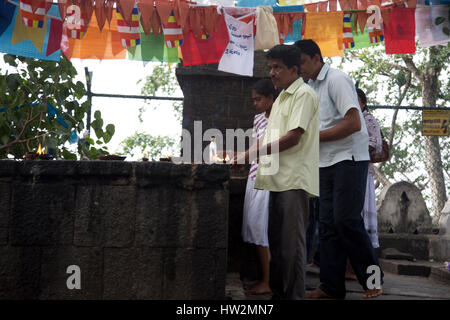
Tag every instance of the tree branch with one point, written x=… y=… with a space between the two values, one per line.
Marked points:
x=17 y=140
x=381 y=177
x=412 y=67
x=25 y=140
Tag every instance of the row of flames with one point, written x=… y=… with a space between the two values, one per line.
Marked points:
x=216 y=158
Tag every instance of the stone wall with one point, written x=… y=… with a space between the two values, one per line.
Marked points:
x=136 y=230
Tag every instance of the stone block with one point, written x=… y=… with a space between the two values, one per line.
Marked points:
x=42 y=214
x=105 y=216
x=216 y=173
x=5 y=206
x=210 y=209
x=105 y=168
x=440 y=248
x=135 y=273
x=392 y=253
x=19 y=272
x=54 y=276
x=194 y=273
x=3 y=236
x=416 y=245
x=48 y=169
x=8 y=168
x=403 y=210
x=163 y=218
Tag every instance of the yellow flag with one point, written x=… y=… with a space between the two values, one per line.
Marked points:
x=326 y=29
x=22 y=33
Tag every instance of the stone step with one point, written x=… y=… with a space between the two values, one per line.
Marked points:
x=433 y=270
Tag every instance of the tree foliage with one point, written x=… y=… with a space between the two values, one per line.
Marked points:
x=28 y=87
x=405 y=80
x=162 y=82
x=146 y=145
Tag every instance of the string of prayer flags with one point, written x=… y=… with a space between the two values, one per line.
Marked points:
x=36 y=43
x=325 y=28
x=399 y=30
x=130 y=34
x=95 y=44
x=255 y=3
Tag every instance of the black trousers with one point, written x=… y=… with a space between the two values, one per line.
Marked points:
x=342 y=232
x=288 y=218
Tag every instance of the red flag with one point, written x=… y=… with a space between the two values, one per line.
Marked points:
x=54 y=38
x=399 y=30
x=205 y=49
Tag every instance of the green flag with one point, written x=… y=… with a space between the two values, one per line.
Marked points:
x=362 y=40
x=152 y=49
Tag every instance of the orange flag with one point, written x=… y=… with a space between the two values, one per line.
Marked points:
x=97 y=44
x=325 y=28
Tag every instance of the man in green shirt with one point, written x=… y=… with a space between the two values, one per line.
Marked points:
x=289 y=169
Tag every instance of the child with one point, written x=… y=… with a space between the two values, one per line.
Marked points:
x=256 y=204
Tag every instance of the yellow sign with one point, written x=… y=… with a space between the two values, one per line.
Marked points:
x=435 y=122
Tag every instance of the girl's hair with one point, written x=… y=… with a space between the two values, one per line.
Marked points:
x=362 y=96
x=266 y=88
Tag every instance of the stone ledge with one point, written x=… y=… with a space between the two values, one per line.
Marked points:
x=430 y=269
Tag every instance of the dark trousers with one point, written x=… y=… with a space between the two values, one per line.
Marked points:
x=342 y=231
x=312 y=240
x=287 y=242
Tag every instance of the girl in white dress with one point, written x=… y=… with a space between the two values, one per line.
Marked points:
x=256 y=203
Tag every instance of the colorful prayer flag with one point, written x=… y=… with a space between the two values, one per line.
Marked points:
x=173 y=34
x=130 y=36
x=29 y=18
x=399 y=30
x=347 y=38
x=203 y=51
x=325 y=28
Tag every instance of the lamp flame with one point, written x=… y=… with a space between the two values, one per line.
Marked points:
x=40 y=150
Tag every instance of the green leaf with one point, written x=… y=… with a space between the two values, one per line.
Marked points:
x=68 y=155
x=107 y=137
x=5 y=139
x=111 y=129
x=97 y=115
x=10 y=59
x=439 y=20
x=446 y=31
x=13 y=81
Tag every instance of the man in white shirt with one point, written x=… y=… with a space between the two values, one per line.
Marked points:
x=343 y=163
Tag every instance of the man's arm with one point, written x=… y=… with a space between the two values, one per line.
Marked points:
x=290 y=139
x=350 y=124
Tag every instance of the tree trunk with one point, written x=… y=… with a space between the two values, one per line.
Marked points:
x=432 y=147
x=436 y=174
